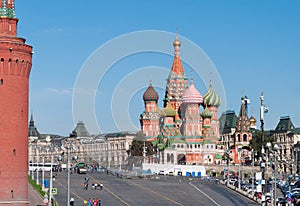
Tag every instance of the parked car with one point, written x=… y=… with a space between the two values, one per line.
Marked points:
x=281 y=201
x=171 y=173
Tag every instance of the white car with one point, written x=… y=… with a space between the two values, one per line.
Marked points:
x=161 y=172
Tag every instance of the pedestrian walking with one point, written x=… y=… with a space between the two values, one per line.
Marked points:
x=72 y=201
x=95 y=202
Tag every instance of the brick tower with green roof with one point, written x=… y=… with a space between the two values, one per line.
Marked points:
x=15 y=66
x=243 y=133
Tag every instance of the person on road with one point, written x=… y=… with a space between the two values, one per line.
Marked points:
x=72 y=201
x=96 y=202
x=86 y=183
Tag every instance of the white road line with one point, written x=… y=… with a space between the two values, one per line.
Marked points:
x=206 y=195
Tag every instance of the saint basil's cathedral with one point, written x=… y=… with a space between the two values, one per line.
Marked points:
x=183 y=132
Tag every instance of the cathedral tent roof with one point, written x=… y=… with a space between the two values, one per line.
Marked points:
x=191 y=95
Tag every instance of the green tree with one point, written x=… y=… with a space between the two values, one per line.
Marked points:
x=137 y=146
x=256 y=141
x=226 y=157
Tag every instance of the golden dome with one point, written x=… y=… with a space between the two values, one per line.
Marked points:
x=176 y=42
x=252 y=119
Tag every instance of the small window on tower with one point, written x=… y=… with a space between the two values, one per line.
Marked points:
x=1 y=82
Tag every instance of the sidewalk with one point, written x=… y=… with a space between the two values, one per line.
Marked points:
x=34 y=197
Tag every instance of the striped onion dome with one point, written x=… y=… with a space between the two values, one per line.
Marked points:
x=150 y=94
x=206 y=113
x=191 y=95
x=169 y=111
x=211 y=98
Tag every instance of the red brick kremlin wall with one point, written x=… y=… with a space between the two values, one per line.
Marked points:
x=15 y=66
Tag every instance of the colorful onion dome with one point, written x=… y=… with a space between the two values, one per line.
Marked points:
x=191 y=95
x=169 y=111
x=211 y=98
x=150 y=94
x=206 y=113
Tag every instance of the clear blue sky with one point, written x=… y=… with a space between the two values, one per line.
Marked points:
x=254 y=46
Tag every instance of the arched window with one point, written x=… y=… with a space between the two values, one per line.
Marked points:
x=168 y=157
x=239 y=137
x=1 y=82
x=245 y=138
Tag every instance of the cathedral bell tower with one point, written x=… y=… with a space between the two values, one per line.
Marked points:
x=15 y=66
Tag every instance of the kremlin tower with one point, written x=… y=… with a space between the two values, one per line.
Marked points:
x=15 y=66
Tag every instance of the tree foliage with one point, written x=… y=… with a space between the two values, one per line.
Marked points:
x=256 y=142
x=137 y=146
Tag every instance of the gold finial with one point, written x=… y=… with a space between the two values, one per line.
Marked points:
x=210 y=77
x=176 y=42
x=150 y=77
x=192 y=79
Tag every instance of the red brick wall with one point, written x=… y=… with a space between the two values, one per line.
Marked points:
x=15 y=65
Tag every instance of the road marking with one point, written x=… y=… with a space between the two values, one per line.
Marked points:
x=162 y=196
x=105 y=188
x=206 y=195
x=70 y=191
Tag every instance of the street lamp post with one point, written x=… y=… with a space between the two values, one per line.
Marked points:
x=51 y=181
x=33 y=148
x=275 y=148
x=263 y=110
x=43 y=175
x=69 y=146
x=252 y=182
x=68 y=170
x=296 y=150
x=144 y=152
x=52 y=149
x=38 y=164
x=239 y=161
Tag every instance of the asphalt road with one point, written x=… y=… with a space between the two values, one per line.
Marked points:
x=163 y=190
